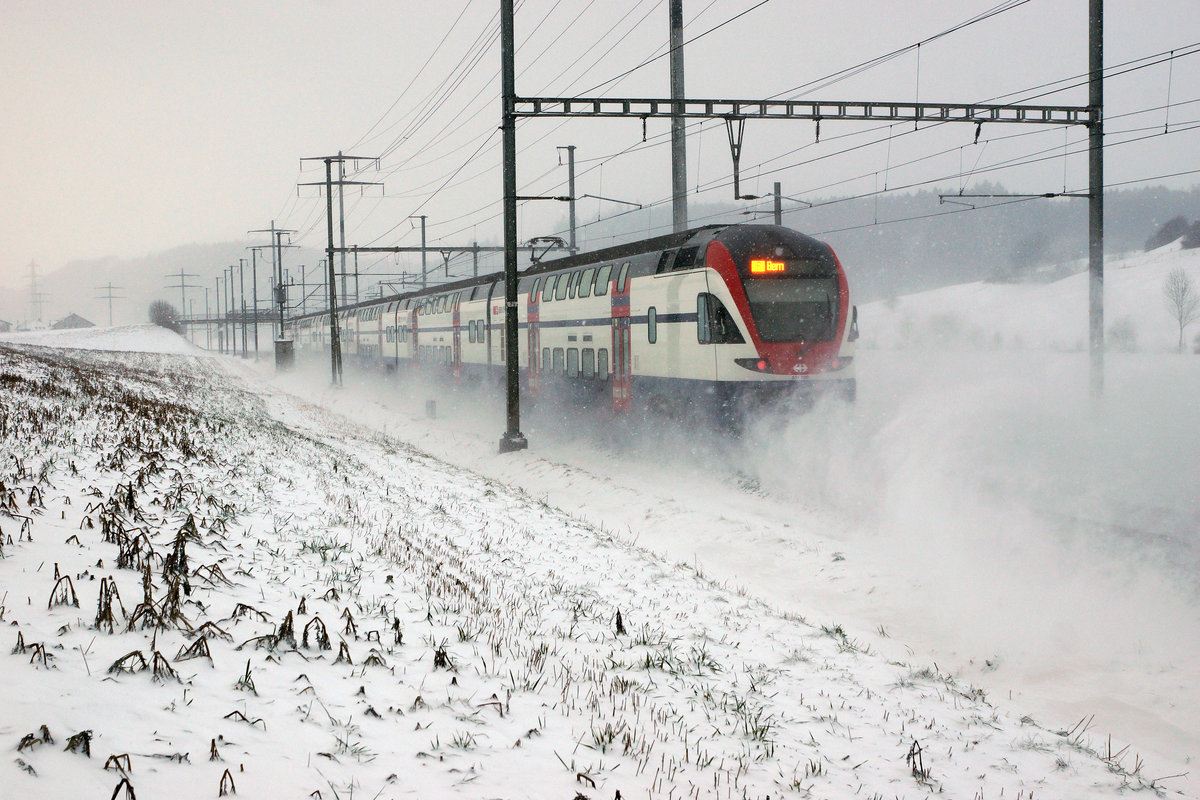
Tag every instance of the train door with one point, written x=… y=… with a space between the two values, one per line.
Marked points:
x=379 y=346
x=704 y=326
x=488 y=325
x=456 y=352
x=394 y=317
x=533 y=313
x=416 y=336
x=622 y=379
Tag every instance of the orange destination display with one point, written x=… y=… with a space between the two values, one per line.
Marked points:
x=762 y=266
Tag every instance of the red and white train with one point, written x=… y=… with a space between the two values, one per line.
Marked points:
x=717 y=317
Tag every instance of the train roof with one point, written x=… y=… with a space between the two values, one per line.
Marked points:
x=614 y=253
x=665 y=242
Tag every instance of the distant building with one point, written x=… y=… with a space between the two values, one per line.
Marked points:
x=72 y=321
x=5 y=327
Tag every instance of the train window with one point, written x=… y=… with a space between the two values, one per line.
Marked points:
x=537 y=284
x=471 y=332
x=575 y=278
x=573 y=362
x=685 y=258
x=559 y=361
x=602 y=280
x=585 y=283
x=545 y=358
x=560 y=291
x=665 y=260
x=623 y=278
x=602 y=363
x=589 y=362
x=548 y=294
x=652 y=325
x=714 y=323
x=794 y=309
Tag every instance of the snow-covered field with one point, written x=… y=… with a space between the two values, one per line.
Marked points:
x=144 y=338
x=964 y=584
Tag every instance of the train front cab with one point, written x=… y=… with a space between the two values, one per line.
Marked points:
x=791 y=295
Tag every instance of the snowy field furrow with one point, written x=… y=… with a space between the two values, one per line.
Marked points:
x=210 y=585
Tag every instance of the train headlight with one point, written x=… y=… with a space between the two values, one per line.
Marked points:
x=754 y=364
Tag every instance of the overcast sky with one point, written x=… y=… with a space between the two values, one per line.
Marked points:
x=132 y=127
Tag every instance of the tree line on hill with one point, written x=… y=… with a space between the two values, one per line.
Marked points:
x=1174 y=229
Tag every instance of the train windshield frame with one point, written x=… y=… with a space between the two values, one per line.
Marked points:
x=793 y=309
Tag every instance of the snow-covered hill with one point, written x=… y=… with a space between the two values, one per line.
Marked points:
x=1028 y=316
x=144 y=338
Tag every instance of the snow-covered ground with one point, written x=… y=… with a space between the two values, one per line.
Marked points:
x=976 y=506
x=976 y=558
x=145 y=338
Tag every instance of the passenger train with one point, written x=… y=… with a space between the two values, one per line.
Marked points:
x=718 y=318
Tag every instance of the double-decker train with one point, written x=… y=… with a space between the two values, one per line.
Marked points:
x=718 y=317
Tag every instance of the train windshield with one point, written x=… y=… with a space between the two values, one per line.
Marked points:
x=793 y=309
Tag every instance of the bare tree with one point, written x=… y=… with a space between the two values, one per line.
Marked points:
x=164 y=314
x=1183 y=300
